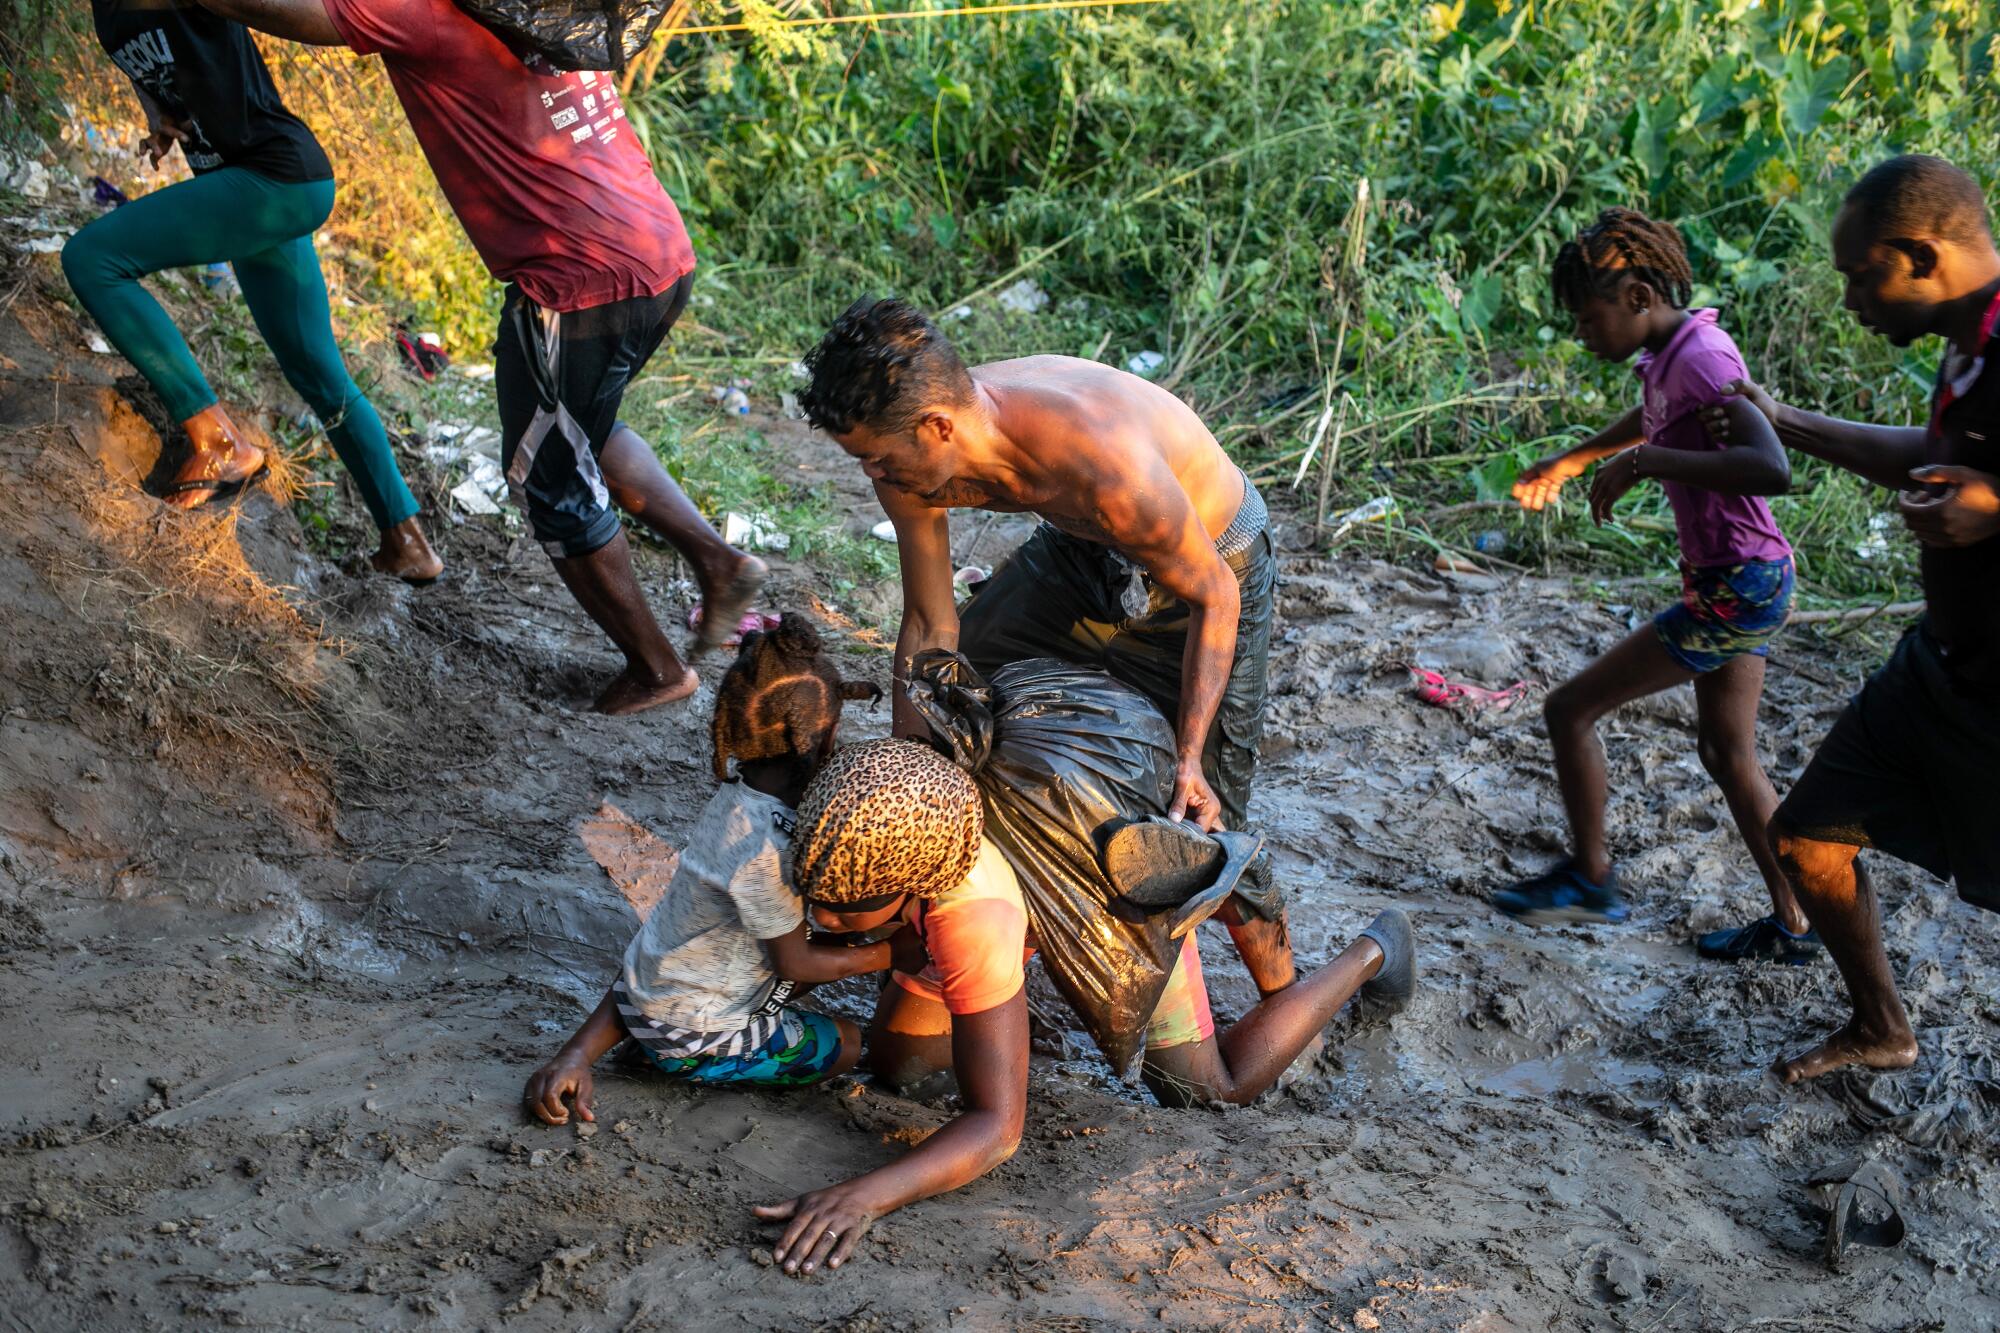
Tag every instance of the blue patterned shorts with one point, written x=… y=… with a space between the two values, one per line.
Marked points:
x=803 y=1048
x=1725 y=612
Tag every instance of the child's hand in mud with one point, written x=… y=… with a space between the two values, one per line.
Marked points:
x=1615 y=476
x=907 y=953
x=1715 y=415
x=825 y=1225
x=1542 y=481
x=564 y=1076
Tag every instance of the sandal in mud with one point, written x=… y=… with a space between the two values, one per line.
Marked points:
x=1158 y=865
x=218 y=489
x=1562 y=896
x=1764 y=940
x=1854 y=1190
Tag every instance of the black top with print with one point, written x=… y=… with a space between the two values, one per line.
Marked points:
x=1962 y=583
x=206 y=71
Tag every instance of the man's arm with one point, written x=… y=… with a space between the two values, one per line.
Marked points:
x=930 y=613
x=989 y=1053
x=294 y=20
x=1884 y=455
x=1153 y=523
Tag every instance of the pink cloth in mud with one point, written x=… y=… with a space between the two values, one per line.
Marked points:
x=1688 y=374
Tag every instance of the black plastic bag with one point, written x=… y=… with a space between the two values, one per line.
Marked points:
x=1063 y=755
x=573 y=34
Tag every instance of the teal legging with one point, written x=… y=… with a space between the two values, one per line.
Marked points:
x=263 y=227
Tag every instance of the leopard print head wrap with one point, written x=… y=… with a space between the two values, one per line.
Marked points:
x=886 y=817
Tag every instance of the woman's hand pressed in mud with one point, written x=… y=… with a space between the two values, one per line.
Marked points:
x=565 y=1076
x=825 y=1225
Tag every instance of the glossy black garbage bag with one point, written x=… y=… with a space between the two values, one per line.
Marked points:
x=1062 y=755
x=573 y=34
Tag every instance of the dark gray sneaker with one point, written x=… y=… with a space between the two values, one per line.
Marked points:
x=1765 y=940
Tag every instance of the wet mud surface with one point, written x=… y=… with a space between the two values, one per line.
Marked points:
x=294 y=895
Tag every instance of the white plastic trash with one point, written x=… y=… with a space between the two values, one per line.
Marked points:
x=1143 y=364
x=885 y=531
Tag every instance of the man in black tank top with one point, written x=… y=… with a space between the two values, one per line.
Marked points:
x=1908 y=768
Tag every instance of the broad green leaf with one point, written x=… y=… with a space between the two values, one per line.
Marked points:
x=1807 y=92
x=1494 y=479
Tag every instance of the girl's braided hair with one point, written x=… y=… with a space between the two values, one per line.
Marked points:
x=780 y=697
x=1623 y=241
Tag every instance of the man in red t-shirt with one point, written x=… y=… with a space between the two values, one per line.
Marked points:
x=560 y=201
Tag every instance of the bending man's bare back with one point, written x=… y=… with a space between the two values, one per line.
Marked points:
x=1154 y=565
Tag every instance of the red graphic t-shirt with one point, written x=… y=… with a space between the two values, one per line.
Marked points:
x=539 y=164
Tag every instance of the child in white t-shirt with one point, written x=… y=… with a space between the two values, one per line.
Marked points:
x=706 y=985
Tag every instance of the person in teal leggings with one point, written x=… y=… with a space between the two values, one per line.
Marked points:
x=262 y=185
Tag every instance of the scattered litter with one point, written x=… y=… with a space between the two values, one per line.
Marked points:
x=1143 y=364
x=1434 y=689
x=24 y=175
x=965 y=580
x=476 y=370
x=1876 y=544
x=106 y=195
x=731 y=397
x=753 y=622
x=473 y=499
x=476 y=449
x=1023 y=298
x=758 y=530
x=1490 y=542
x=957 y=313
x=1447 y=563
x=43 y=245
x=422 y=354
x=885 y=531
x=788 y=403
x=798 y=371
x=220 y=279
x=98 y=345
x=1374 y=511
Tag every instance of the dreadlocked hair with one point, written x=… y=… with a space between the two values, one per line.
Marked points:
x=1623 y=241
x=780 y=697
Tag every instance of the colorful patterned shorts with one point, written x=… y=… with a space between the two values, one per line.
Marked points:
x=803 y=1049
x=1725 y=612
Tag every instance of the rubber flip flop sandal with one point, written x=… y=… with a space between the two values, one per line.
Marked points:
x=219 y=490
x=1158 y=865
x=1392 y=988
x=1858 y=1189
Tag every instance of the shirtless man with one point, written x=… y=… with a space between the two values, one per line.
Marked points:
x=1152 y=563
x=1908 y=768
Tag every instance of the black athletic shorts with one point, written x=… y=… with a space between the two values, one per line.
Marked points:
x=1911 y=768
x=559 y=379
x=1078 y=601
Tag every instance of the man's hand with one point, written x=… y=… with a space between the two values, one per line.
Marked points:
x=161 y=136
x=1615 y=476
x=1715 y=415
x=1966 y=511
x=1541 y=483
x=825 y=1225
x=566 y=1075
x=1194 y=797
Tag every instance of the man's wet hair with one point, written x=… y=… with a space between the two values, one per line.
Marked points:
x=781 y=696
x=1623 y=241
x=881 y=365
x=1917 y=196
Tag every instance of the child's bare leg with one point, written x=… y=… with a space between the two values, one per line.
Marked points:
x=1726 y=706
x=850 y=1047
x=1238 y=1065
x=1841 y=903
x=1636 y=666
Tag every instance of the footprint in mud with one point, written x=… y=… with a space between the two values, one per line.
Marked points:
x=1615 y=1274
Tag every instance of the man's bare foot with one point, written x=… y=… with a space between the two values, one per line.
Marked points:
x=635 y=690
x=724 y=605
x=221 y=457
x=406 y=553
x=1851 y=1045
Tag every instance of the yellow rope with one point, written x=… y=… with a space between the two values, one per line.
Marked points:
x=1027 y=7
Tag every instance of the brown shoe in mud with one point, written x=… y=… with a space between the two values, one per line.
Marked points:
x=406 y=553
x=221 y=460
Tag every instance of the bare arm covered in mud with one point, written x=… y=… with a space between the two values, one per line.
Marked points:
x=990 y=1056
x=930 y=615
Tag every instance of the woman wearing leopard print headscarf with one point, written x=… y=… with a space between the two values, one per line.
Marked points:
x=891 y=830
